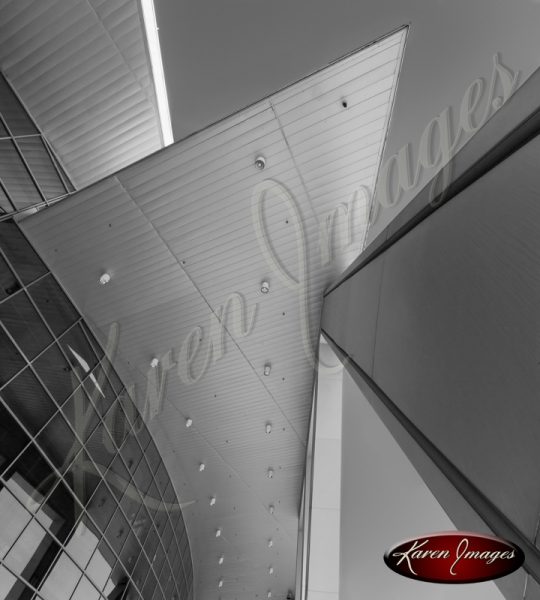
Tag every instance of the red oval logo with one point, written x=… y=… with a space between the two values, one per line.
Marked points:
x=454 y=557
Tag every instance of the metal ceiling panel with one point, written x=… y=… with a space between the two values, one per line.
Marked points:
x=178 y=234
x=84 y=78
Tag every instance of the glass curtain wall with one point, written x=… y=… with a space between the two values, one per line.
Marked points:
x=87 y=509
x=30 y=175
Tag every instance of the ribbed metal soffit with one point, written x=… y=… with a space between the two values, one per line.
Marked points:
x=187 y=236
x=80 y=67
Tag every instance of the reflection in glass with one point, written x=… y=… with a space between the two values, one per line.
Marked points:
x=39 y=161
x=19 y=252
x=10 y=358
x=21 y=320
x=53 y=304
x=16 y=178
x=82 y=483
x=8 y=283
x=28 y=400
x=12 y=111
x=56 y=374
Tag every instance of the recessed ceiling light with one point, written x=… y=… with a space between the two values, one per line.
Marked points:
x=265 y=287
x=189 y=422
x=267 y=369
x=270 y=570
x=218 y=532
x=104 y=279
x=271 y=509
x=270 y=542
x=260 y=162
x=270 y=473
x=269 y=595
x=212 y=500
x=268 y=428
x=220 y=583
x=221 y=559
x=154 y=362
x=202 y=467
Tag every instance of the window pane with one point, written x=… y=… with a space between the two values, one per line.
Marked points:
x=42 y=168
x=102 y=506
x=20 y=253
x=13 y=113
x=151 y=543
x=140 y=572
x=99 y=390
x=149 y=585
x=100 y=447
x=34 y=469
x=53 y=304
x=118 y=477
x=117 y=424
x=8 y=283
x=141 y=525
x=143 y=477
x=96 y=346
x=131 y=503
x=78 y=350
x=117 y=531
x=62 y=580
x=152 y=456
x=59 y=443
x=5 y=205
x=83 y=479
x=56 y=374
x=25 y=325
x=15 y=177
x=80 y=414
x=11 y=361
x=85 y=590
x=99 y=567
x=161 y=477
x=131 y=453
x=29 y=401
x=62 y=172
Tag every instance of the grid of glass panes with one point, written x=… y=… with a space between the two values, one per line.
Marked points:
x=30 y=175
x=87 y=509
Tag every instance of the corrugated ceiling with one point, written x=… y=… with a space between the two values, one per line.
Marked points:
x=81 y=69
x=178 y=234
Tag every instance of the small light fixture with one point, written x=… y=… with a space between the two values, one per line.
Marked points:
x=270 y=570
x=268 y=428
x=154 y=362
x=269 y=595
x=218 y=532
x=270 y=542
x=270 y=473
x=271 y=509
x=104 y=279
x=220 y=583
x=221 y=559
x=189 y=422
x=267 y=369
x=260 y=162
x=202 y=467
x=265 y=287
x=212 y=500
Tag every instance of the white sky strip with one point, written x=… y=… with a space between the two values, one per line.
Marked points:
x=152 y=35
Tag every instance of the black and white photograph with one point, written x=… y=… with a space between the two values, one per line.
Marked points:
x=269 y=300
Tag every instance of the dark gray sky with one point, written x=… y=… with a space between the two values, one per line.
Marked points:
x=222 y=55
